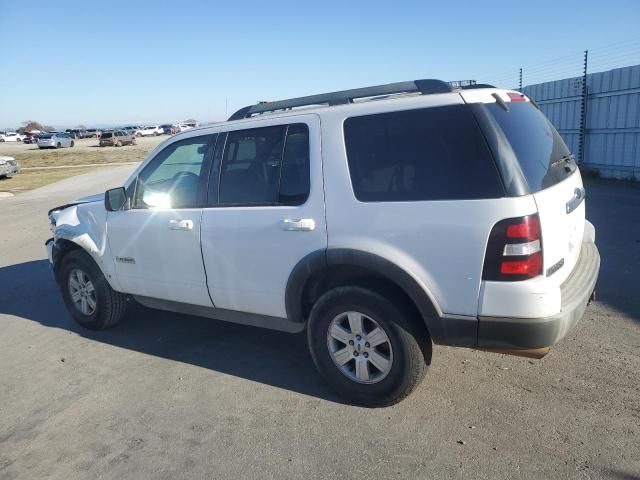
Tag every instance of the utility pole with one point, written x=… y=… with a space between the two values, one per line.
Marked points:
x=583 y=111
x=520 y=82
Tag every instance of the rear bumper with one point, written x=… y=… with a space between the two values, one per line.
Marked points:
x=530 y=333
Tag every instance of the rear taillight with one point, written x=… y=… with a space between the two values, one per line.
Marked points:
x=514 y=250
x=516 y=97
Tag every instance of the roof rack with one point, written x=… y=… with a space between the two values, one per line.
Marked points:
x=424 y=86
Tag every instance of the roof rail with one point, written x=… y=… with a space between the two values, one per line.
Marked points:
x=424 y=86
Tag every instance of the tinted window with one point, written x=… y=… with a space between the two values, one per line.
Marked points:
x=542 y=154
x=176 y=177
x=251 y=166
x=294 y=178
x=107 y=135
x=428 y=154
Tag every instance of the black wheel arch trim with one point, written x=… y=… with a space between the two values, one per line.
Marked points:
x=443 y=329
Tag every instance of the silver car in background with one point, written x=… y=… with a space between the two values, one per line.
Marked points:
x=55 y=140
x=8 y=166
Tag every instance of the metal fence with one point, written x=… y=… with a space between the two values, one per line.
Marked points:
x=610 y=122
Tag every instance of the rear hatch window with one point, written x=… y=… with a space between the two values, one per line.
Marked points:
x=542 y=154
x=45 y=136
x=107 y=135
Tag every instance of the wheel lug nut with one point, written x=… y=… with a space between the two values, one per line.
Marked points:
x=355 y=354
x=367 y=345
x=366 y=355
x=358 y=337
x=350 y=342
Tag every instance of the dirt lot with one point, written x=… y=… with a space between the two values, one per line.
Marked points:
x=37 y=164
x=171 y=396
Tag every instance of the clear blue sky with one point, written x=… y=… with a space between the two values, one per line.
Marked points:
x=70 y=62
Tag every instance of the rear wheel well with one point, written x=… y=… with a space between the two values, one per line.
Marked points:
x=355 y=276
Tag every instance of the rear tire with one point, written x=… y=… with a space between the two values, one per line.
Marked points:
x=87 y=294
x=59 y=145
x=73 y=144
x=349 y=365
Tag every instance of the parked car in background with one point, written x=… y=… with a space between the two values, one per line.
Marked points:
x=169 y=129
x=183 y=126
x=149 y=131
x=30 y=138
x=75 y=132
x=132 y=129
x=11 y=137
x=91 y=133
x=117 y=138
x=8 y=166
x=55 y=140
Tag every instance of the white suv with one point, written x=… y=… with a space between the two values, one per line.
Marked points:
x=381 y=220
x=149 y=131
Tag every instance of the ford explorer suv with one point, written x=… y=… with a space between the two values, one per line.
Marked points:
x=380 y=220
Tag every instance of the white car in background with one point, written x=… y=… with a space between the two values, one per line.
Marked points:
x=11 y=137
x=8 y=166
x=149 y=131
x=184 y=126
x=55 y=140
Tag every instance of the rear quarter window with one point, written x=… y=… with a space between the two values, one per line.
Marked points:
x=434 y=153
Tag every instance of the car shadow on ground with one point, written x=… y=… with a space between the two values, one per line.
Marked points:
x=270 y=357
x=612 y=207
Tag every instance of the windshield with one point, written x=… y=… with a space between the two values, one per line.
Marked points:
x=542 y=154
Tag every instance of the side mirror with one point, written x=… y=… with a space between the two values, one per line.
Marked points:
x=115 y=199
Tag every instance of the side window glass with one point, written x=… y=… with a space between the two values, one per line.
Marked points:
x=176 y=177
x=250 y=172
x=294 y=178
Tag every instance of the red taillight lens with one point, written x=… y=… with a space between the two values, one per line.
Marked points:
x=531 y=266
x=516 y=97
x=529 y=229
x=514 y=250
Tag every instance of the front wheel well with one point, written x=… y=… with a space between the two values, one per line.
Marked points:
x=61 y=248
x=336 y=276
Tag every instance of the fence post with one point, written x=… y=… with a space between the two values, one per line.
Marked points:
x=520 y=82
x=583 y=111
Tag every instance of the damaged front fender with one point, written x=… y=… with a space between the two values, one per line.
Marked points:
x=83 y=225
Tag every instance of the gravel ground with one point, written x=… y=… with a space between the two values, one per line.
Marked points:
x=172 y=396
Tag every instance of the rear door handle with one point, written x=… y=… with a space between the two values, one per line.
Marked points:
x=181 y=224
x=298 y=224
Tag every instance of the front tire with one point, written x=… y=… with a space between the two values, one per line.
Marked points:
x=73 y=144
x=59 y=145
x=367 y=348
x=86 y=293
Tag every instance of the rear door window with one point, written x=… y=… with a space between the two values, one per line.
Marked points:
x=542 y=154
x=434 y=153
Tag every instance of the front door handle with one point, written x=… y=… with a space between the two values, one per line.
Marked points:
x=298 y=224
x=181 y=224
